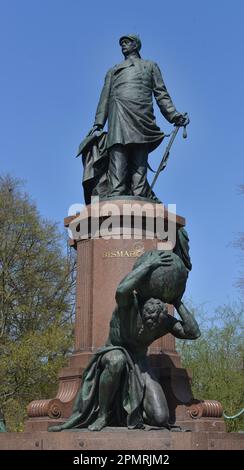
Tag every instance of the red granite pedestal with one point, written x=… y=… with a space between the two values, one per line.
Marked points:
x=101 y=264
x=121 y=439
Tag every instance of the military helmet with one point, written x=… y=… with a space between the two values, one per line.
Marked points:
x=132 y=37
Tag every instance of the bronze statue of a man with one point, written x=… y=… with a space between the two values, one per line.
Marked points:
x=126 y=102
x=119 y=388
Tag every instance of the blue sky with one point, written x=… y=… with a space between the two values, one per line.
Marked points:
x=54 y=55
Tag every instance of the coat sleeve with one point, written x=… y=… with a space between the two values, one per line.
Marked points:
x=162 y=96
x=102 y=108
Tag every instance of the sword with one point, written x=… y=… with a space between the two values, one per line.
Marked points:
x=165 y=158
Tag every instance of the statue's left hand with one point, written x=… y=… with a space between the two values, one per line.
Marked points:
x=182 y=120
x=95 y=128
x=159 y=258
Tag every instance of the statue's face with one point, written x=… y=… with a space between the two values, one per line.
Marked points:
x=152 y=310
x=127 y=46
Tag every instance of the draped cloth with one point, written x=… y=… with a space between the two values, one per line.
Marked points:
x=131 y=121
x=127 y=404
x=95 y=159
x=93 y=150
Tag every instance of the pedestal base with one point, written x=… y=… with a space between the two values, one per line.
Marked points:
x=121 y=439
x=185 y=411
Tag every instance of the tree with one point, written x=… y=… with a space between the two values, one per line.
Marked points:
x=217 y=360
x=36 y=303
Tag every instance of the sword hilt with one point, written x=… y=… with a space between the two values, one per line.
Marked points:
x=184 y=130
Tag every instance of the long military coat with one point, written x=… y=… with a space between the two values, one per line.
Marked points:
x=126 y=101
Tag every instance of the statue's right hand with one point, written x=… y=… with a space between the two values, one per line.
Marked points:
x=160 y=258
x=95 y=128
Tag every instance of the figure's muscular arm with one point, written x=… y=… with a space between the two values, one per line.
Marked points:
x=188 y=327
x=124 y=292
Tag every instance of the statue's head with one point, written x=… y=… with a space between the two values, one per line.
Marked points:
x=153 y=311
x=130 y=43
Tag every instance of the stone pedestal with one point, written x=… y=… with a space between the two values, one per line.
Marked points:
x=121 y=439
x=101 y=265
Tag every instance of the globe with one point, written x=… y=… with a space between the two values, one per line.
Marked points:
x=166 y=283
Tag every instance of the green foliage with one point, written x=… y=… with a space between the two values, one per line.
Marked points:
x=217 y=360
x=36 y=303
